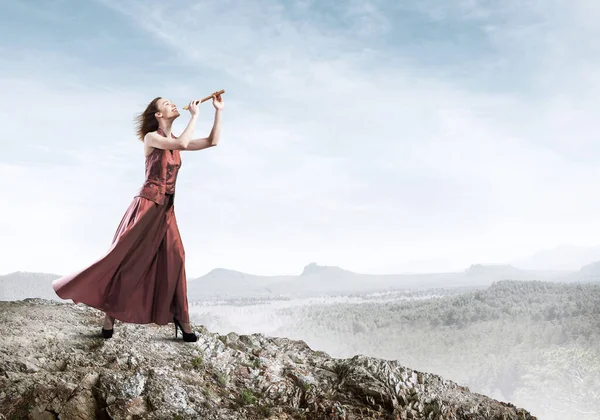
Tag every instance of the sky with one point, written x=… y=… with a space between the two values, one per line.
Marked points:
x=378 y=136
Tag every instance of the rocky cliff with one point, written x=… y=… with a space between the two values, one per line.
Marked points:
x=54 y=364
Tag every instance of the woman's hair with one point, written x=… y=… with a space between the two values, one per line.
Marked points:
x=146 y=121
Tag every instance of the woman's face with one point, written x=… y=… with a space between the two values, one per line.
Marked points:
x=166 y=109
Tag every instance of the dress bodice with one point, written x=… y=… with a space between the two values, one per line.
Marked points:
x=162 y=167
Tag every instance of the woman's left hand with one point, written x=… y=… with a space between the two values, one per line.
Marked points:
x=218 y=102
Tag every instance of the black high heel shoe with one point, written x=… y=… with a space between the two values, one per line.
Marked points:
x=108 y=333
x=188 y=337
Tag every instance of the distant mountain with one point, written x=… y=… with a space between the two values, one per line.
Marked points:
x=223 y=283
x=314 y=280
x=589 y=273
x=20 y=285
x=563 y=257
x=315 y=269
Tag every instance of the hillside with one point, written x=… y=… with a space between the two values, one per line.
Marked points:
x=534 y=344
x=53 y=364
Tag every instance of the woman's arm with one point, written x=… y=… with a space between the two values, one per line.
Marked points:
x=212 y=139
x=180 y=143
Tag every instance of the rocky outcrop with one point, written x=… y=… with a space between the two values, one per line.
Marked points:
x=54 y=364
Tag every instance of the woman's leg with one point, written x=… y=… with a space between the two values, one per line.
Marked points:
x=108 y=322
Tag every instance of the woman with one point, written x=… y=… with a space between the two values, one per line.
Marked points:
x=141 y=279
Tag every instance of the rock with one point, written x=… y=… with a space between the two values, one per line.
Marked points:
x=81 y=405
x=90 y=380
x=125 y=409
x=66 y=371
x=122 y=385
x=29 y=365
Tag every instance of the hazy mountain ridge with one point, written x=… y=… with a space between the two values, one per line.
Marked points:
x=314 y=280
x=22 y=284
x=330 y=280
x=316 y=269
x=563 y=257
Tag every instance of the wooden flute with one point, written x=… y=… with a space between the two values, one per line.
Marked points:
x=208 y=97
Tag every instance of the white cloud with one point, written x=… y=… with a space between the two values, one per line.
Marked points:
x=331 y=150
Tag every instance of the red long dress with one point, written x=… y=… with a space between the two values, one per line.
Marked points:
x=141 y=279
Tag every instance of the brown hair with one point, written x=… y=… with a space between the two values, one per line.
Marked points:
x=146 y=121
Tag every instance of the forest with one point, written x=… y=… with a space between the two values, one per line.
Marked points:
x=532 y=343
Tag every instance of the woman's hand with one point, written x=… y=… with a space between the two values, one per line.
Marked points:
x=193 y=108
x=218 y=102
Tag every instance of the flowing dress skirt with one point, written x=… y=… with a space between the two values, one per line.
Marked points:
x=141 y=279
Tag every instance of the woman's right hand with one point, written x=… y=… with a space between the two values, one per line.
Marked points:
x=193 y=108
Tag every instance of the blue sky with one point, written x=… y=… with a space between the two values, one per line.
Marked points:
x=380 y=136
